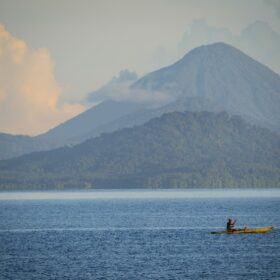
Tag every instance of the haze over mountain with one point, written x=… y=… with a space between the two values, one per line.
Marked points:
x=125 y=77
x=16 y=145
x=214 y=78
x=70 y=132
x=188 y=149
x=219 y=77
x=99 y=115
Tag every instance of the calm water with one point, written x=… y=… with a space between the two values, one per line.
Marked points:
x=137 y=237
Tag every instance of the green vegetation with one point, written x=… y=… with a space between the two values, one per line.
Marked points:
x=17 y=145
x=181 y=150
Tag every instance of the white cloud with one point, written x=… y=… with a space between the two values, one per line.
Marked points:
x=119 y=89
x=123 y=92
x=28 y=90
x=111 y=89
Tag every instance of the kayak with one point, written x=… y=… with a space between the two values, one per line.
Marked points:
x=248 y=230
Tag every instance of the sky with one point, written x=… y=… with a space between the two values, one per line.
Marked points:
x=54 y=53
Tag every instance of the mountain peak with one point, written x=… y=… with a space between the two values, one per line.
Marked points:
x=219 y=77
x=218 y=46
x=216 y=50
x=214 y=78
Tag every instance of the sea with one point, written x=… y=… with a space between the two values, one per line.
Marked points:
x=138 y=234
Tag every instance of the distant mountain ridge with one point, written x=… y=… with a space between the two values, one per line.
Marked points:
x=219 y=77
x=191 y=149
x=99 y=115
x=17 y=145
x=212 y=78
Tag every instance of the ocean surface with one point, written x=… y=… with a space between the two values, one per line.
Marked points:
x=138 y=235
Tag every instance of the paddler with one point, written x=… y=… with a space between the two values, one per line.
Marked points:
x=230 y=224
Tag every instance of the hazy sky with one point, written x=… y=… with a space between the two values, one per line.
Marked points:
x=54 y=52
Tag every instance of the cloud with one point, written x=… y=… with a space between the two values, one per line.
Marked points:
x=119 y=89
x=275 y=4
x=28 y=90
x=200 y=33
x=111 y=90
x=124 y=92
x=258 y=40
x=262 y=43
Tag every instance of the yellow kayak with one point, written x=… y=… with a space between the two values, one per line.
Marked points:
x=248 y=230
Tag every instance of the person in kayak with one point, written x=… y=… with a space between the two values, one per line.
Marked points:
x=230 y=224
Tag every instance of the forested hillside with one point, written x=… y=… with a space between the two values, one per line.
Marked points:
x=190 y=149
